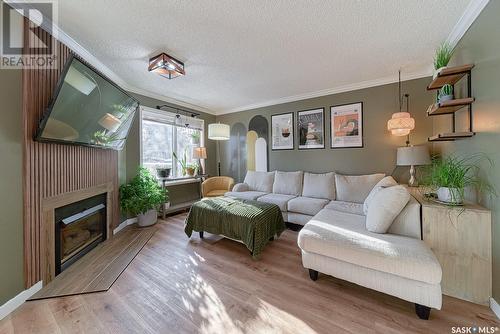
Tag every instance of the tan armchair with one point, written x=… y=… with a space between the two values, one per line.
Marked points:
x=216 y=186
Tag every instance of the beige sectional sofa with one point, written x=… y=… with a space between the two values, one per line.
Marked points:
x=335 y=240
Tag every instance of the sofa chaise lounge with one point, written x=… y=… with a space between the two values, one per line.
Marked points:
x=335 y=240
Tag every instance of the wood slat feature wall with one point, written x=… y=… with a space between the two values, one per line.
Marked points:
x=53 y=169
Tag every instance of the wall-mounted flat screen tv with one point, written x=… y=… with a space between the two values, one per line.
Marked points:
x=87 y=109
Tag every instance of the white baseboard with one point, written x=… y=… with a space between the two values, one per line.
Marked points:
x=495 y=307
x=124 y=224
x=18 y=300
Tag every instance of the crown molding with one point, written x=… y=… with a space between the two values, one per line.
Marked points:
x=470 y=15
x=330 y=91
x=81 y=51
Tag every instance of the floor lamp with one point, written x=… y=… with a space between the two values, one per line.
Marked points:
x=218 y=132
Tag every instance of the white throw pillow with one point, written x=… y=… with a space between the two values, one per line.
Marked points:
x=288 y=183
x=355 y=188
x=387 y=181
x=259 y=181
x=319 y=185
x=384 y=207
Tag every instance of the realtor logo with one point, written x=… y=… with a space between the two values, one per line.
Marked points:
x=28 y=49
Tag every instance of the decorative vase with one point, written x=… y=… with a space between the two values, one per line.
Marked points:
x=450 y=195
x=190 y=171
x=436 y=72
x=163 y=172
x=147 y=219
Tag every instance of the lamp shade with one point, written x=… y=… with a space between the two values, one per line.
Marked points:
x=110 y=122
x=400 y=124
x=199 y=153
x=218 y=131
x=413 y=156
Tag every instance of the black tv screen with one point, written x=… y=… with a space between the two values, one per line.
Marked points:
x=87 y=109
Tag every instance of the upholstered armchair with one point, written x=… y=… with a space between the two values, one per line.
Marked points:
x=216 y=186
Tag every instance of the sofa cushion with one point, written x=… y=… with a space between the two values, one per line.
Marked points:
x=385 y=206
x=355 y=188
x=278 y=199
x=288 y=183
x=387 y=181
x=215 y=193
x=319 y=185
x=348 y=207
x=260 y=181
x=298 y=218
x=307 y=205
x=241 y=187
x=251 y=195
x=343 y=236
x=407 y=223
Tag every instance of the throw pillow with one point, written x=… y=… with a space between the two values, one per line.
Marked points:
x=288 y=183
x=355 y=188
x=385 y=206
x=319 y=185
x=387 y=181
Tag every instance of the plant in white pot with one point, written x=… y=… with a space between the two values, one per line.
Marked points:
x=142 y=196
x=442 y=58
x=451 y=175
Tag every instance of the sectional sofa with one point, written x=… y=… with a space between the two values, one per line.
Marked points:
x=365 y=229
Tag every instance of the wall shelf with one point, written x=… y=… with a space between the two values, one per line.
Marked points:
x=451 y=136
x=450 y=75
x=448 y=107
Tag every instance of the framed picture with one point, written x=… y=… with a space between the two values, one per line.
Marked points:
x=282 y=131
x=311 y=128
x=346 y=125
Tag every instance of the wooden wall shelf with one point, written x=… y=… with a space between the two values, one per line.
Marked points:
x=450 y=75
x=449 y=107
x=451 y=136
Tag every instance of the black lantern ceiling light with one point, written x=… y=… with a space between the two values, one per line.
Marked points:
x=166 y=66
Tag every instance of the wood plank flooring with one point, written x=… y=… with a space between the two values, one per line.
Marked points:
x=181 y=285
x=99 y=268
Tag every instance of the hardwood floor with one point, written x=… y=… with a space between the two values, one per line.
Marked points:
x=177 y=285
x=99 y=269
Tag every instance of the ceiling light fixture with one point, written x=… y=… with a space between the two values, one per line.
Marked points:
x=401 y=123
x=166 y=66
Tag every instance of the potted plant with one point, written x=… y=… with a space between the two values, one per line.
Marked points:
x=163 y=172
x=451 y=175
x=446 y=93
x=182 y=162
x=142 y=196
x=442 y=58
x=195 y=137
x=191 y=169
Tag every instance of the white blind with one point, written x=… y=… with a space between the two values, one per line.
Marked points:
x=173 y=118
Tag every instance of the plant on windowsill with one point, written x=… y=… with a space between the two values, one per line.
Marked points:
x=182 y=162
x=142 y=197
x=191 y=169
x=451 y=175
x=442 y=58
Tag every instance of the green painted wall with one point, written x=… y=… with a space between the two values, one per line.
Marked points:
x=379 y=152
x=180 y=193
x=11 y=198
x=480 y=46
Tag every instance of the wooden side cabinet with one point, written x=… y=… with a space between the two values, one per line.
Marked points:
x=460 y=237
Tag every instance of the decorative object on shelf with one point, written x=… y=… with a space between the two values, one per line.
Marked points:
x=200 y=153
x=346 y=125
x=413 y=156
x=446 y=79
x=163 y=172
x=442 y=58
x=311 y=128
x=142 y=197
x=257 y=139
x=450 y=176
x=401 y=123
x=166 y=66
x=282 y=131
x=445 y=93
x=218 y=132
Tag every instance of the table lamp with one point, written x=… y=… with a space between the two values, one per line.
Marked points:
x=413 y=156
x=200 y=153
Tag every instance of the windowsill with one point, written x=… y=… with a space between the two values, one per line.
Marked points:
x=180 y=181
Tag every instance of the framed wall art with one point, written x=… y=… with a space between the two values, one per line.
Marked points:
x=311 y=128
x=346 y=125
x=282 y=129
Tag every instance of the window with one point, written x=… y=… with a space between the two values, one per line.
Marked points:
x=163 y=134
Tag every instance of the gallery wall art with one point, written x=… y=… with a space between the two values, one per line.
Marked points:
x=311 y=128
x=257 y=144
x=282 y=132
x=346 y=125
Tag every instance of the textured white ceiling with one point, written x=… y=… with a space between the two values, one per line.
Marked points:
x=244 y=53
